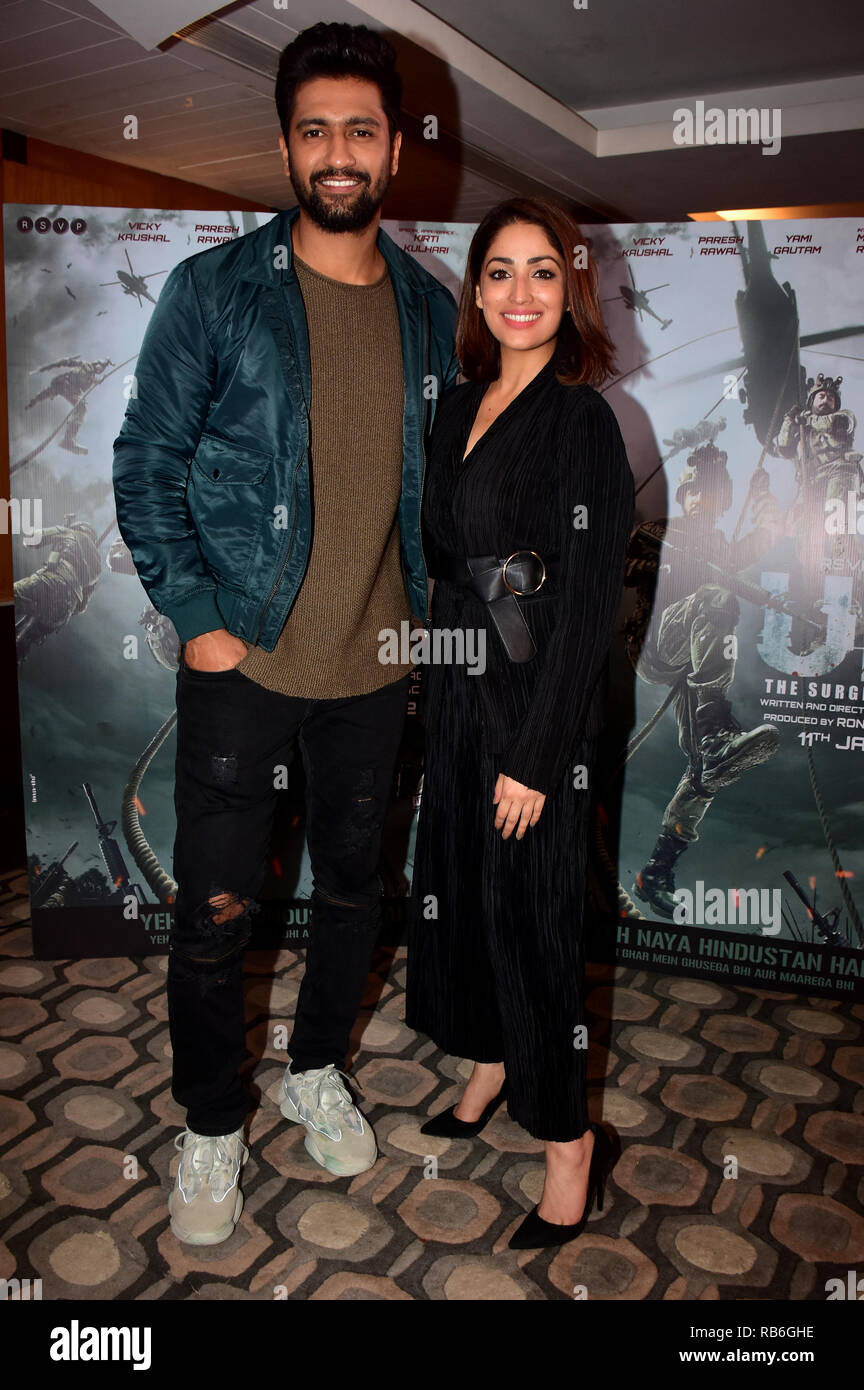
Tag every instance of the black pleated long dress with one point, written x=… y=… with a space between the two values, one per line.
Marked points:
x=495 y=962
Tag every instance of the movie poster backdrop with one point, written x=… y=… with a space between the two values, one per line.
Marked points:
x=727 y=840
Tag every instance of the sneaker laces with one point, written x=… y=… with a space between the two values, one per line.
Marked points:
x=211 y=1160
x=322 y=1098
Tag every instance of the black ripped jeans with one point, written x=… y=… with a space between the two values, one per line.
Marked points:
x=235 y=738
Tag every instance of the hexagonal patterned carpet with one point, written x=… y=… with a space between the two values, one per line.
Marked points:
x=686 y=1075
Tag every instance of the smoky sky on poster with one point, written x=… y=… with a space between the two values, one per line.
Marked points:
x=87 y=713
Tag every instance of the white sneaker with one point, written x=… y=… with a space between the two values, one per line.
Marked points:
x=337 y=1136
x=206 y=1202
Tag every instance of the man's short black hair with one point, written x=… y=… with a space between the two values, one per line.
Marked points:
x=339 y=50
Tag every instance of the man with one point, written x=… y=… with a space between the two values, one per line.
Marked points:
x=683 y=635
x=268 y=477
x=61 y=587
x=73 y=386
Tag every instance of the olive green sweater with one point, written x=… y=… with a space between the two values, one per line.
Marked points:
x=353 y=586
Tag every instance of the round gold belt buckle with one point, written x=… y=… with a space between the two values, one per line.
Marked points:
x=513 y=557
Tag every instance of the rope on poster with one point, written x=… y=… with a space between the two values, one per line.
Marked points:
x=775 y=420
x=160 y=882
x=157 y=879
x=647 y=363
x=829 y=840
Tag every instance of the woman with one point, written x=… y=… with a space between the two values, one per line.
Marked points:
x=526 y=466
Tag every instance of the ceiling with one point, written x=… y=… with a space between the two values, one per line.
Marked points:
x=543 y=97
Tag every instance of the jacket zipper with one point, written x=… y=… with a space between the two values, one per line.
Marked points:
x=286 y=556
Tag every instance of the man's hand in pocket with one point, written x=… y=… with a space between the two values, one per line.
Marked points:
x=214 y=651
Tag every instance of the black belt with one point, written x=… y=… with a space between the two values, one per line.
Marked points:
x=498 y=582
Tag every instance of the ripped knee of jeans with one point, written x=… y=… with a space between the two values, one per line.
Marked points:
x=210 y=942
x=228 y=906
x=216 y=927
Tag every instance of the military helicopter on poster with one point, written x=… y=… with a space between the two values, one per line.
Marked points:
x=133 y=283
x=774 y=380
x=637 y=300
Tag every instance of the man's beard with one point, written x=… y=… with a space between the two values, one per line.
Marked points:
x=340 y=214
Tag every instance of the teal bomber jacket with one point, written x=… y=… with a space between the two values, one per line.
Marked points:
x=211 y=465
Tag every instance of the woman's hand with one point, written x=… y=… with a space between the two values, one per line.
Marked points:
x=518 y=807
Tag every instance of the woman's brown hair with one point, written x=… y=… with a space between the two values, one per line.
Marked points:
x=584 y=353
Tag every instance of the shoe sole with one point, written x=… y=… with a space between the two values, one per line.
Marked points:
x=727 y=773
x=333 y=1165
x=212 y=1237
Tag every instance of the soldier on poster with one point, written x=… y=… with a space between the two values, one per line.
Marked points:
x=819 y=436
x=682 y=634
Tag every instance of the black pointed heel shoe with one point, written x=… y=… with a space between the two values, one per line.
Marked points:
x=446 y=1125
x=537 y=1234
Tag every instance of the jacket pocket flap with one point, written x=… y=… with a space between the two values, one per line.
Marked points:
x=222 y=461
